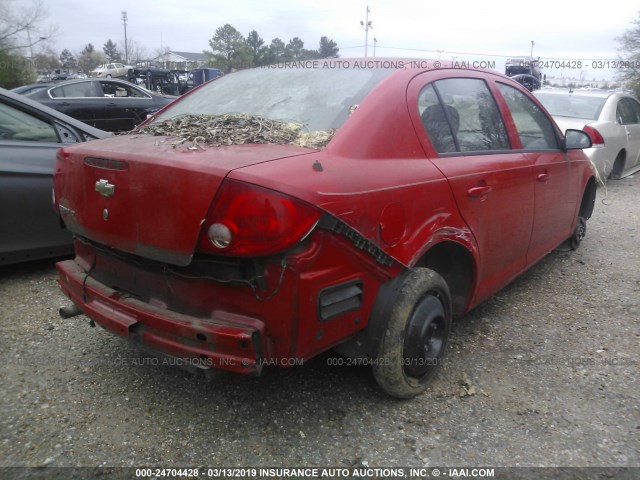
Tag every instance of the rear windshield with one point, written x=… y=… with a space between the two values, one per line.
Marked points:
x=319 y=98
x=572 y=105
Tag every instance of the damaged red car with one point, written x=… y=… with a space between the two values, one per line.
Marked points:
x=279 y=212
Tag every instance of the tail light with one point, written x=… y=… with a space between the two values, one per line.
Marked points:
x=596 y=138
x=249 y=220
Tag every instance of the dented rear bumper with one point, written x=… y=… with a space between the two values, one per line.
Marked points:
x=227 y=341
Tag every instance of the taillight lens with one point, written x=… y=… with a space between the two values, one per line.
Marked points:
x=249 y=220
x=596 y=138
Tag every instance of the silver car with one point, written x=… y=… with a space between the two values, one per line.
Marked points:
x=109 y=70
x=611 y=118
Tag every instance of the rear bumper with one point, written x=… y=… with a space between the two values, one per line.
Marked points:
x=227 y=341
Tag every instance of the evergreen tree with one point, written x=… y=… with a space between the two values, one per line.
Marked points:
x=296 y=48
x=258 y=49
x=328 y=48
x=68 y=61
x=110 y=50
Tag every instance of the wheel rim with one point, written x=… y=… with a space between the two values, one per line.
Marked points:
x=579 y=233
x=581 y=230
x=425 y=338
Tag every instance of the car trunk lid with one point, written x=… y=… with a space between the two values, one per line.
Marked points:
x=142 y=195
x=571 y=122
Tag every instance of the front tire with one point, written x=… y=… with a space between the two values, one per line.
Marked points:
x=412 y=348
x=578 y=233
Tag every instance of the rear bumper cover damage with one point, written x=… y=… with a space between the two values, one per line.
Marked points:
x=227 y=341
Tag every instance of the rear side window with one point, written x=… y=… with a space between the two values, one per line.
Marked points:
x=627 y=113
x=534 y=127
x=635 y=106
x=74 y=90
x=460 y=115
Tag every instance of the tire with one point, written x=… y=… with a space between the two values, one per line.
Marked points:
x=108 y=75
x=412 y=347
x=618 y=167
x=578 y=233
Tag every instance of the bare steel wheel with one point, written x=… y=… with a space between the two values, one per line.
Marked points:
x=578 y=234
x=413 y=346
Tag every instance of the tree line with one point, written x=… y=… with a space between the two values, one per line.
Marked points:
x=24 y=50
x=230 y=50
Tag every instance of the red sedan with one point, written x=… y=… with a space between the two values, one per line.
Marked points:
x=433 y=188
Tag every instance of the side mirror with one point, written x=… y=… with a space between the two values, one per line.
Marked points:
x=576 y=139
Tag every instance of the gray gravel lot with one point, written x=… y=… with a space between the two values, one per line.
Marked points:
x=553 y=361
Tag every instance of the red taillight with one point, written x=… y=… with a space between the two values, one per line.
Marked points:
x=596 y=138
x=249 y=220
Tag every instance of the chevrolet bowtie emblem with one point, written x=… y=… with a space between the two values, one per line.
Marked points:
x=104 y=188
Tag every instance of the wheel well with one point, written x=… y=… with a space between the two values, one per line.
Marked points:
x=455 y=264
x=588 y=199
x=618 y=164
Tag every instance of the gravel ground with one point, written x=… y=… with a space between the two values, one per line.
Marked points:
x=545 y=373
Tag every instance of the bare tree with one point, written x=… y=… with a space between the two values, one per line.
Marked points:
x=136 y=52
x=629 y=71
x=21 y=27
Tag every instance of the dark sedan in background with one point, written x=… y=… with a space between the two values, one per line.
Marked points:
x=111 y=105
x=30 y=136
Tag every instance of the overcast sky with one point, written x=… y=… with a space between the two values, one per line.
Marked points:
x=409 y=28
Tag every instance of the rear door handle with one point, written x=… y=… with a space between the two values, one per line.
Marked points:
x=543 y=177
x=479 y=191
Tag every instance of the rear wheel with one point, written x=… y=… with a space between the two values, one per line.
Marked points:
x=412 y=348
x=618 y=167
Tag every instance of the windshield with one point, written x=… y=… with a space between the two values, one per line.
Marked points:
x=319 y=98
x=572 y=105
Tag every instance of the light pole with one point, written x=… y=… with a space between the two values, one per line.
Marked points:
x=375 y=42
x=31 y=44
x=367 y=25
x=532 y=44
x=126 y=46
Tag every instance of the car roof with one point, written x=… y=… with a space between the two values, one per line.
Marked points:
x=33 y=105
x=109 y=80
x=31 y=86
x=581 y=93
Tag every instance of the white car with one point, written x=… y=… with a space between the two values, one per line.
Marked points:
x=109 y=70
x=611 y=118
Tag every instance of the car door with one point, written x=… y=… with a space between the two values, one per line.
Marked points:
x=126 y=105
x=28 y=146
x=628 y=114
x=555 y=174
x=467 y=140
x=81 y=100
